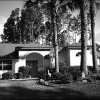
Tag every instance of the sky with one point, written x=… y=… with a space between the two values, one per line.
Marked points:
x=6 y=6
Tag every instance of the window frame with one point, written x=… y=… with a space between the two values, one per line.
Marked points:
x=5 y=64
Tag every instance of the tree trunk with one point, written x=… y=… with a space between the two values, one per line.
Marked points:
x=32 y=33
x=54 y=32
x=45 y=34
x=94 y=52
x=64 y=35
x=56 y=46
x=83 y=12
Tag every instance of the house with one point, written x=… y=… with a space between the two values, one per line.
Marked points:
x=71 y=55
x=12 y=56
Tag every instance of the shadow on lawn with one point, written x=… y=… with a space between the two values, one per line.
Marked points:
x=23 y=93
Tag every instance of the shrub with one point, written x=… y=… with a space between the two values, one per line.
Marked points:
x=67 y=78
x=98 y=77
x=76 y=73
x=43 y=72
x=7 y=75
x=57 y=76
x=71 y=71
x=16 y=75
x=95 y=76
x=60 y=78
x=65 y=69
x=24 y=72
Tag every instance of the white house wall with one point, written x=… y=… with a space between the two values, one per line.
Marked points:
x=75 y=60
x=22 y=59
x=24 y=53
x=89 y=58
x=20 y=62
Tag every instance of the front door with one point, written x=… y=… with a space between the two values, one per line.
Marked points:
x=33 y=64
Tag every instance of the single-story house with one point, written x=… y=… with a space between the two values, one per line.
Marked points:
x=71 y=55
x=12 y=56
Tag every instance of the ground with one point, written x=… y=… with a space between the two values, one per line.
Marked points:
x=29 y=89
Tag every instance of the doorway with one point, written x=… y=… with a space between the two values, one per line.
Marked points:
x=33 y=64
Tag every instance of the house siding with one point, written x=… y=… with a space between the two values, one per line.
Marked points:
x=74 y=60
x=68 y=54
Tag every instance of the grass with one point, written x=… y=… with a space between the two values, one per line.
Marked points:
x=29 y=89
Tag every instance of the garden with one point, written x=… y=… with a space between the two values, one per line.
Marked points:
x=48 y=75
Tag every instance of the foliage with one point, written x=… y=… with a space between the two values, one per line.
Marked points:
x=74 y=71
x=60 y=78
x=24 y=72
x=69 y=72
x=95 y=76
x=16 y=76
x=7 y=75
x=30 y=22
x=36 y=21
x=11 y=31
x=42 y=72
x=57 y=76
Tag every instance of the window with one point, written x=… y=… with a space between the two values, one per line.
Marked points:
x=5 y=64
x=0 y=67
x=0 y=64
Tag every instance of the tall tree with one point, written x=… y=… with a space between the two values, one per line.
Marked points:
x=83 y=11
x=31 y=21
x=11 y=33
x=55 y=7
x=83 y=6
x=93 y=14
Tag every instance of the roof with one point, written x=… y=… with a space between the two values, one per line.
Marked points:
x=76 y=45
x=7 y=50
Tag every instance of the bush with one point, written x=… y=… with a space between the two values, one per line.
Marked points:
x=67 y=78
x=16 y=75
x=24 y=72
x=7 y=75
x=57 y=76
x=98 y=77
x=43 y=73
x=76 y=74
x=95 y=76
x=71 y=71
x=60 y=78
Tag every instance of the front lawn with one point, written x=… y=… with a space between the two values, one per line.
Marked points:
x=29 y=89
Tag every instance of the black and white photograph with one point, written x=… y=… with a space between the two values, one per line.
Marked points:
x=50 y=49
